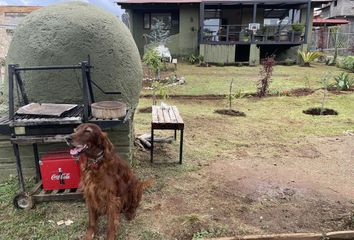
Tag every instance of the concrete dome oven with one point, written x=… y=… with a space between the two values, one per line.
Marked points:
x=65 y=34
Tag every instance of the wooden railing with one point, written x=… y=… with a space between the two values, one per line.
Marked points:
x=241 y=33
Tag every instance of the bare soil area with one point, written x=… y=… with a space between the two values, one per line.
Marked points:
x=307 y=188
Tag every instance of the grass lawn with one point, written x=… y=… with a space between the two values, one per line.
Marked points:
x=216 y=80
x=275 y=170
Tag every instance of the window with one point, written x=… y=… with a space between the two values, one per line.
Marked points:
x=275 y=17
x=164 y=18
x=152 y=19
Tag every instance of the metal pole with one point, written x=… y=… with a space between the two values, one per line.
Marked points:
x=181 y=148
x=20 y=85
x=308 y=15
x=89 y=83
x=43 y=68
x=36 y=161
x=85 y=91
x=11 y=69
x=254 y=19
x=18 y=167
x=152 y=145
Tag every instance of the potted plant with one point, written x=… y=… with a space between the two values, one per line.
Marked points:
x=283 y=36
x=298 y=30
x=245 y=35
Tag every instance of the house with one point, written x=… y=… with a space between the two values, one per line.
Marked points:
x=324 y=36
x=226 y=31
x=340 y=9
x=10 y=17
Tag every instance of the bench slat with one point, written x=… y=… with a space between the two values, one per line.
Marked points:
x=154 y=114
x=160 y=115
x=172 y=115
x=178 y=117
x=166 y=116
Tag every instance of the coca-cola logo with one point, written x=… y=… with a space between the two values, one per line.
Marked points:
x=58 y=176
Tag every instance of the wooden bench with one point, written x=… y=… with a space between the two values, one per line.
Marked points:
x=170 y=119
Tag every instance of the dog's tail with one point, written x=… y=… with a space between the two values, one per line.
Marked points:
x=147 y=183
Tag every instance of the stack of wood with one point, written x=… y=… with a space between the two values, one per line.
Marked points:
x=145 y=140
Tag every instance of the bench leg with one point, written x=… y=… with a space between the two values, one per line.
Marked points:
x=152 y=146
x=181 y=148
x=175 y=134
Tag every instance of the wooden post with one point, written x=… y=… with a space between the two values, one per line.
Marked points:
x=254 y=19
x=201 y=22
x=308 y=15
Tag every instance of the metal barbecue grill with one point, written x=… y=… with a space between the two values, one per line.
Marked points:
x=46 y=127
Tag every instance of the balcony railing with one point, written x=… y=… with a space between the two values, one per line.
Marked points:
x=241 y=34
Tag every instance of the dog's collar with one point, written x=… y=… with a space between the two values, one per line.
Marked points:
x=94 y=162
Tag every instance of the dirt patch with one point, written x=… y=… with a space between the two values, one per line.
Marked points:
x=230 y=112
x=298 y=92
x=320 y=111
x=307 y=188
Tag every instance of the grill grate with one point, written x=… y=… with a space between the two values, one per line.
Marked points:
x=75 y=112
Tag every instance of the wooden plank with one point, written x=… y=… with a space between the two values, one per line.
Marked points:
x=172 y=115
x=160 y=116
x=178 y=116
x=58 y=197
x=154 y=114
x=341 y=235
x=36 y=187
x=38 y=139
x=166 y=116
x=172 y=126
x=45 y=121
x=54 y=192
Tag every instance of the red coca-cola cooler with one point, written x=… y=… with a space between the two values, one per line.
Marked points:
x=59 y=170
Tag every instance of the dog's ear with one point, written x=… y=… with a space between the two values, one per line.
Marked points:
x=106 y=143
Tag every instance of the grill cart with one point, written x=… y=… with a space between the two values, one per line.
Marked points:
x=34 y=124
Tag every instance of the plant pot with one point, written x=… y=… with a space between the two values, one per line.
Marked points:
x=283 y=37
x=297 y=36
x=108 y=109
x=246 y=39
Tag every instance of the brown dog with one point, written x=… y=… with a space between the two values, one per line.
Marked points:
x=108 y=183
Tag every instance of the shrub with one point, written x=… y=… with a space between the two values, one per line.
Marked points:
x=194 y=59
x=347 y=63
x=289 y=62
x=266 y=75
x=153 y=60
x=232 y=96
x=343 y=81
x=325 y=82
x=298 y=27
x=309 y=57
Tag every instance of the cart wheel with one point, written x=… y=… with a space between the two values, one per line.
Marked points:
x=23 y=201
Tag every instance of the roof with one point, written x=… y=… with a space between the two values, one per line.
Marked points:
x=157 y=1
x=226 y=1
x=22 y=9
x=317 y=21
